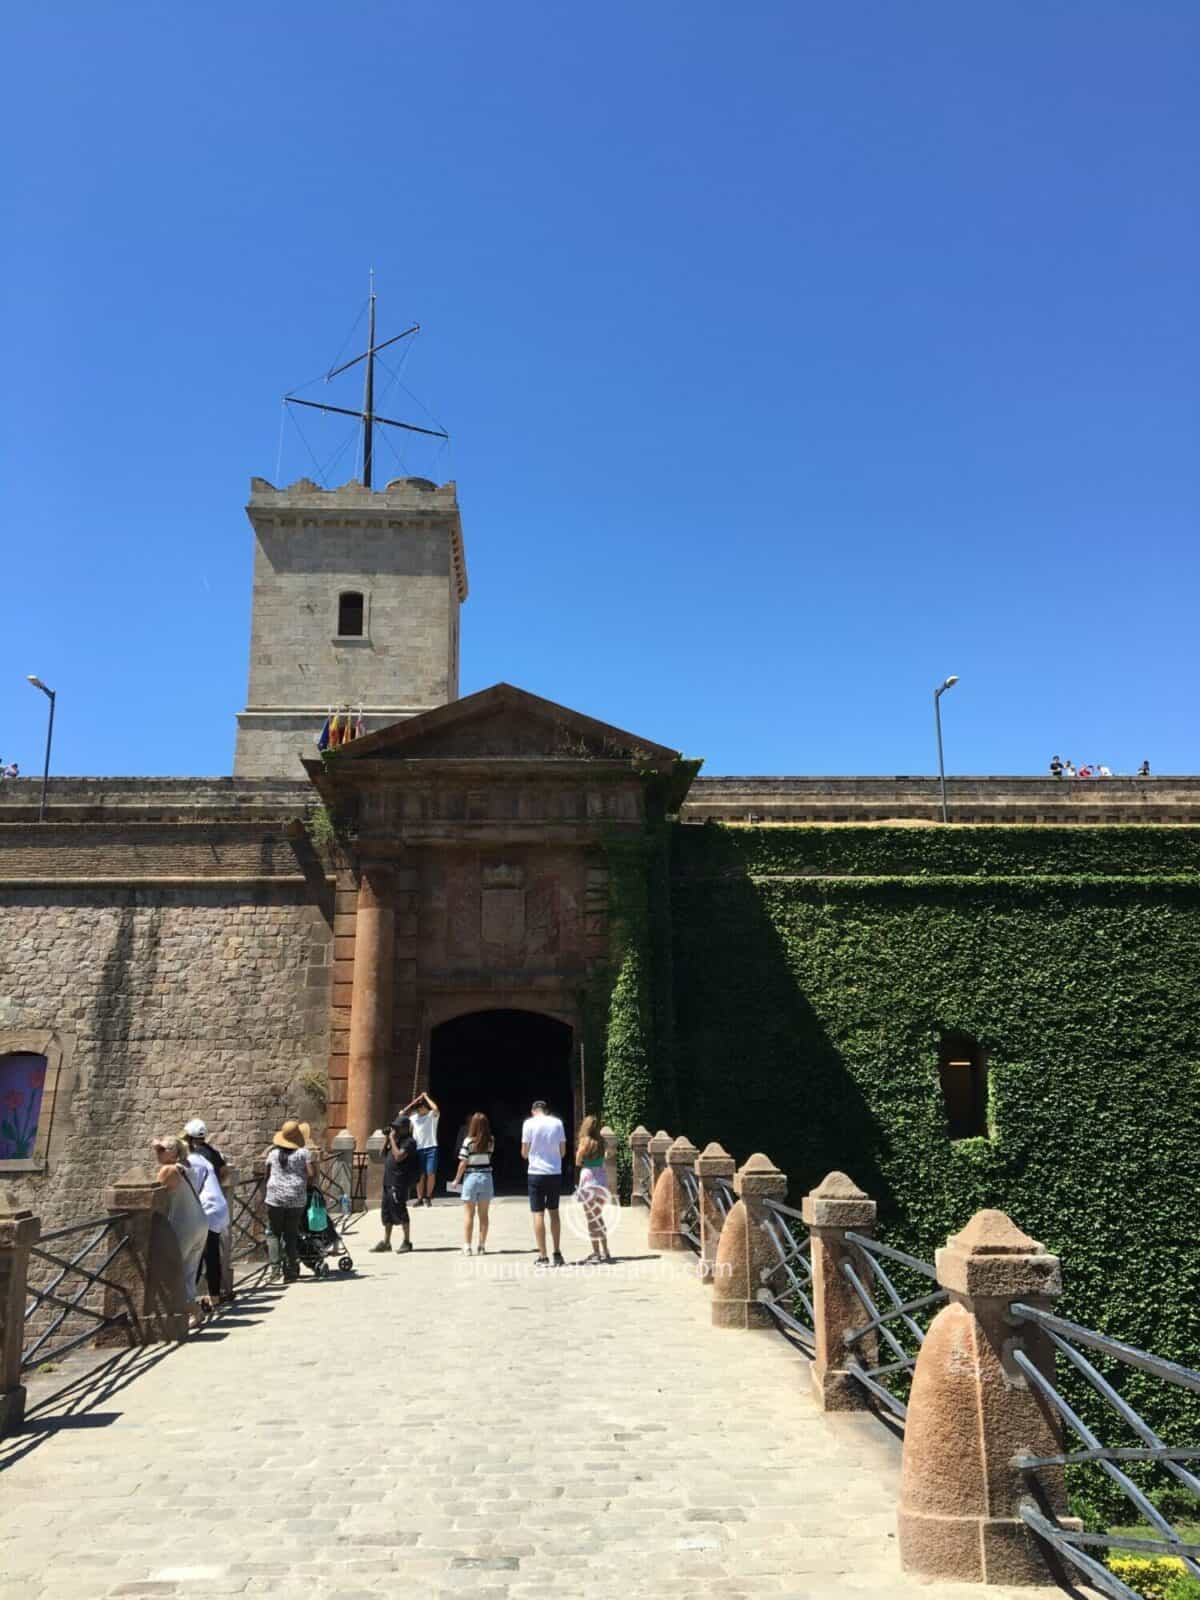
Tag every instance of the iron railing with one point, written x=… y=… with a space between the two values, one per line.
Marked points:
x=1073 y=1546
x=76 y=1273
x=642 y=1190
x=787 y=1286
x=247 y=1217
x=893 y=1331
x=689 y=1219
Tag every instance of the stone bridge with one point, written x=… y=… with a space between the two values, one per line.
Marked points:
x=714 y=1414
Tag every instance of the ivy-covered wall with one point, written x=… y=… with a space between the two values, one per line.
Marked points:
x=815 y=970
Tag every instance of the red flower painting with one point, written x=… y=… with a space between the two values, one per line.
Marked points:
x=22 y=1082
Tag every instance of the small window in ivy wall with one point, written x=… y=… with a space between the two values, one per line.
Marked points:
x=962 y=1069
x=22 y=1087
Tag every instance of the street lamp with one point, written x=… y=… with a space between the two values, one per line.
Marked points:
x=937 y=717
x=49 y=693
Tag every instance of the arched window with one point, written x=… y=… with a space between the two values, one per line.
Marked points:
x=22 y=1083
x=350 y=614
x=962 y=1068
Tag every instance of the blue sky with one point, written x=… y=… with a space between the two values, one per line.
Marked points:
x=794 y=356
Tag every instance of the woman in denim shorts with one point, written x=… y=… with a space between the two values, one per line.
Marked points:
x=475 y=1176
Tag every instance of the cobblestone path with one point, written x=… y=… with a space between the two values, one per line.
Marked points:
x=433 y=1425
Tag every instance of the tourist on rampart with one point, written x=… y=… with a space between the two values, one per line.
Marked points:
x=1144 y=770
x=217 y=1263
x=543 y=1146
x=1056 y=767
x=12 y=770
x=592 y=1188
x=287 y=1195
x=184 y=1213
x=399 y=1165
x=1068 y=769
x=475 y=1175
x=424 y=1113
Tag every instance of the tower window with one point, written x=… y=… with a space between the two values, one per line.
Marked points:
x=350 y=615
x=962 y=1069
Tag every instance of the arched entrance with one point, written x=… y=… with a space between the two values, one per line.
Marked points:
x=499 y=1062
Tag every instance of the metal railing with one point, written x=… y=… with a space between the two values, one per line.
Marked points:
x=247 y=1217
x=76 y=1273
x=787 y=1286
x=689 y=1219
x=1073 y=1546
x=892 y=1331
x=642 y=1179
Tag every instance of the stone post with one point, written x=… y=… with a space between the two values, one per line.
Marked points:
x=670 y=1198
x=341 y=1164
x=658 y=1148
x=19 y=1232
x=146 y=1279
x=837 y=1206
x=712 y=1164
x=371 y=1003
x=745 y=1252
x=639 y=1150
x=972 y=1410
x=612 y=1172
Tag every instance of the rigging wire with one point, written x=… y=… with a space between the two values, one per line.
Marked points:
x=308 y=447
x=362 y=311
x=279 y=453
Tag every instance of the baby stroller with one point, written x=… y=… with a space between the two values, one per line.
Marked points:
x=316 y=1248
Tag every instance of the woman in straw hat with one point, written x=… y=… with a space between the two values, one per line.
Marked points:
x=287 y=1186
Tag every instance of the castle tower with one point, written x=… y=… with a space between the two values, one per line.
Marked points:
x=356 y=603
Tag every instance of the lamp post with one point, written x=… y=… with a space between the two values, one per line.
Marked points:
x=50 y=695
x=937 y=717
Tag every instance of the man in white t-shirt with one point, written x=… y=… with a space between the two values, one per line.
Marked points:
x=543 y=1146
x=423 y=1113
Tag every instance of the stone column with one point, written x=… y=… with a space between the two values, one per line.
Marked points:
x=371 y=1004
x=639 y=1147
x=833 y=1208
x=670 y=1198
x=146 y=1280
x=612 y=1172
x=745 y=1252
x=712 y=1164
x=972 y=1410
x=658 y=1148
x=19 y=1232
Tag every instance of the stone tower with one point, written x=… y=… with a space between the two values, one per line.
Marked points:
x=356 y=602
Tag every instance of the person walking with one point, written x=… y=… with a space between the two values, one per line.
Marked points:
x=475 y=1176
x=592 y=1188
x=218 y=1266
x=185 y=1215
x=399 y=1165
x=543 y=1146
x=425 y=1114
x=287 y=1188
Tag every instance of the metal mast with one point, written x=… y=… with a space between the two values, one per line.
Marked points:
x=369 y=388
x=368 y=415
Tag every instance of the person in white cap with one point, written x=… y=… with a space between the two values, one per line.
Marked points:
x=217 y=1264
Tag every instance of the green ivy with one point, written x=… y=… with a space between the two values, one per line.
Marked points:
x=815 y=970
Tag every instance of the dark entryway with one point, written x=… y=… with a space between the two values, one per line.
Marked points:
x=499 y=1062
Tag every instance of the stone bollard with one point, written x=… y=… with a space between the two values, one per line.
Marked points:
x=19 y=1232
x=146 y=1279
x=670 y=1198
x=658 y=1148
x=341 y=1165
x=373 y=1177
x=837 y=1206
x=612 y=1171
x=971 y=1411
x=639 y=1151
x=745 y=1252
x=713 y=1164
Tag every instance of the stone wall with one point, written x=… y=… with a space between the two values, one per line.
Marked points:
x=168 y=1002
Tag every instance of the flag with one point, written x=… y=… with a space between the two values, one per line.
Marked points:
x=323 y=736
x=358 y=727
x=335 y=731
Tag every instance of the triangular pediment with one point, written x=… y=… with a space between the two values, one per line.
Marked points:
x=503 y=723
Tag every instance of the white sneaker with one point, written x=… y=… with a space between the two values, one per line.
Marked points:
x=467 y=1250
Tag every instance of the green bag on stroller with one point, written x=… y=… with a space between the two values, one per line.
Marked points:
x=318 y=1217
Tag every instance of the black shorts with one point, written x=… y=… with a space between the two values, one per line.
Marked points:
x=393 y=1210
x=544 y=1190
